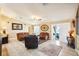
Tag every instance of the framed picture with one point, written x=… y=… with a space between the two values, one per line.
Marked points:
x=17 y=26
x=44 y=27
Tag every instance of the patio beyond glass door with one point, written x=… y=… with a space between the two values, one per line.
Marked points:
x=56 y=32
x=60 y=31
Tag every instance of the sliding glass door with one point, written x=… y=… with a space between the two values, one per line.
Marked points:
x=60 y=31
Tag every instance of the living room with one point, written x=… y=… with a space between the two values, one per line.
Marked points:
x=18 y=21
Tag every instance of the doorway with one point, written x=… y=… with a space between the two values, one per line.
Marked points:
x=59 y=31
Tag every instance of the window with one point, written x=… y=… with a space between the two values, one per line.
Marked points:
x=37 y=30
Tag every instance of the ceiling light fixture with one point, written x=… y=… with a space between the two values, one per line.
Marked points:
x=36 y=18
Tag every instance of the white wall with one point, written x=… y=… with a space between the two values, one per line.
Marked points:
x=7 y=15
x=7 y=25
x=13 y=33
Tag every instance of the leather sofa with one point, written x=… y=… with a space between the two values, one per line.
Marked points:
x=21 y=35
x=31 y=42
x=44 y=36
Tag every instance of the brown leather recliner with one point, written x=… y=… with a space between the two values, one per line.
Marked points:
x=20 y=36
x=44 y=36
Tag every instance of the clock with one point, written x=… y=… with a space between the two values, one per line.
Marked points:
x=44 y=27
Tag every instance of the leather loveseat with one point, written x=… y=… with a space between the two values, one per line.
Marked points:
x=44 y=36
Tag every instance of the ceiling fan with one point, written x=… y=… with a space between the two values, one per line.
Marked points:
x=44 y=4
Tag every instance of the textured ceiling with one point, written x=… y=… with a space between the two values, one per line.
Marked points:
x=49 y=12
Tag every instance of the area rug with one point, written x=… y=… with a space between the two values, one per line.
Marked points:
x=51 y=50
x=42 y=41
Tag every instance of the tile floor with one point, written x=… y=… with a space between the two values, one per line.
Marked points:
x=16 y=48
